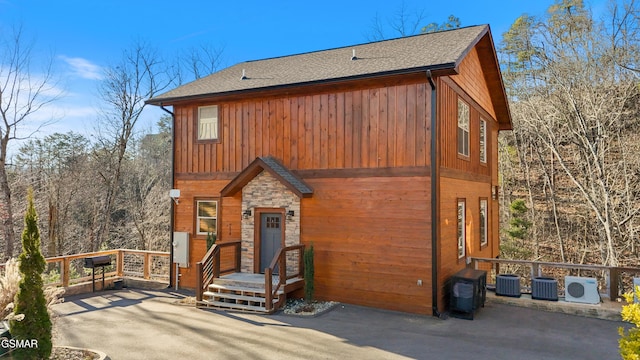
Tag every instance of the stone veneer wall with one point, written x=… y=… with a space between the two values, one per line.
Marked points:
x=265 y=191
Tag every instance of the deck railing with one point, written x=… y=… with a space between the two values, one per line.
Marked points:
x=68 y=270
x=209 y=267
x=613 y=280
x=290 y=257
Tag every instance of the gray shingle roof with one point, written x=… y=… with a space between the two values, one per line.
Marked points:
x=441 y=50
x=273 y=166
x=287 y=175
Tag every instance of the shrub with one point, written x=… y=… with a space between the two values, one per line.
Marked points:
x=8 y=288
x=211 y=239
x=630 y=340
x=30 y=299
x=309 y=273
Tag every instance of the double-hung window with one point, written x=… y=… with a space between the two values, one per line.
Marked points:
x=463 y=128
x=208 y=122
x=206 y=217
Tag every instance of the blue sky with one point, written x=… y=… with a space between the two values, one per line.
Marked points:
x=84 y=36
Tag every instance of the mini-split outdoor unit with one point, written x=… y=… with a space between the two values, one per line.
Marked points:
x=581 y=290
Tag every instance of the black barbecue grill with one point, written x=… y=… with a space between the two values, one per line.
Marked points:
x=97 y=262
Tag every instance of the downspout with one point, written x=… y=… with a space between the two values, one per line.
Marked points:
x=173 y=155
x=434 y=197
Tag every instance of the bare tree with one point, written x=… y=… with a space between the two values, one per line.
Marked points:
x=138 y=76
x=403 y=22
x=23 y=92
x=574 y=106
x=197 y=62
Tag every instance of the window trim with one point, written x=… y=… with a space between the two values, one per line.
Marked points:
x=467 y=131
x=196 y=227
x=196 y=133
x=484 y=223
x=483 y=141
x=461 y=231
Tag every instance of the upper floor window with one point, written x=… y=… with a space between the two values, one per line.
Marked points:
x=483 y=141
x=462 y=234
x=208 y=122
x=463 y=128
x=206 y=217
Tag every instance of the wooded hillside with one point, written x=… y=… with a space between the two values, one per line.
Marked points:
x=571 y=167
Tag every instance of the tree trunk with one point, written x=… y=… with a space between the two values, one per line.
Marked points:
x=6 y=213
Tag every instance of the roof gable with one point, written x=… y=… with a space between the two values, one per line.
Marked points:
x=275 y=168
x=433 y=51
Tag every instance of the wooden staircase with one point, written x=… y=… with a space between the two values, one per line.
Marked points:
x=246 y=292
x=228 y=288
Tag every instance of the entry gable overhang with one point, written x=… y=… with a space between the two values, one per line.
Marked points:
x=275 y=168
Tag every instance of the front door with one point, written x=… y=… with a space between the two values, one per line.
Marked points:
x=270 y=238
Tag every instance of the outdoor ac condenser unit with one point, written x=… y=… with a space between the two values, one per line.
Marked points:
x=581 y=290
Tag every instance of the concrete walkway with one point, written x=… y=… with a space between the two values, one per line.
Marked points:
x=147 y=324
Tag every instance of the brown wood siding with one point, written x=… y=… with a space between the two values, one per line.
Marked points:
x=372 y=241
x=449 y=93
x=229 y=215
x=451 y=190
x=471 y=78
x=376 y=127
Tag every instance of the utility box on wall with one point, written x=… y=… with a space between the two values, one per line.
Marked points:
x=181 y=248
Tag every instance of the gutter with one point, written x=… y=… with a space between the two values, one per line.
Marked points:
x=434 y=197
x=173 y=179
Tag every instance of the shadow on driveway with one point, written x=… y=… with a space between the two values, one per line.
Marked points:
x=143 y=324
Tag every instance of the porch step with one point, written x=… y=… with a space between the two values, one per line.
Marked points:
x=234 y=298
x=243 y=290
x=232 y=306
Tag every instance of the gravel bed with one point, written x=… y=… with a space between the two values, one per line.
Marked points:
x=302 y=308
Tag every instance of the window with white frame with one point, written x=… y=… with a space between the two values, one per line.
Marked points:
x=463 y=128
x=206 y=216
x=208 y=122
x=462 y=234
x=483 y=141
x=484 y=222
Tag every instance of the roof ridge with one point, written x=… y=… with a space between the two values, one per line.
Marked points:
x=359 y=44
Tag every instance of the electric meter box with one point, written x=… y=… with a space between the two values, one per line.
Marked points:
x=181 y=248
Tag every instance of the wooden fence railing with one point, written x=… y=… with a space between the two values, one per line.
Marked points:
x=288 y=257
x=613 y=280
x=208 y=268
x=68 y=270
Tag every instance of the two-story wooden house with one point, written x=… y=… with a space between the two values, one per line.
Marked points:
x=382 y=155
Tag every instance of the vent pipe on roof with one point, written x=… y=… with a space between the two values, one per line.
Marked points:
x=354 y=57
x=243 y=77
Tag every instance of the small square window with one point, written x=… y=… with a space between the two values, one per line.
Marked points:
x=206 y=217
x=208 y=122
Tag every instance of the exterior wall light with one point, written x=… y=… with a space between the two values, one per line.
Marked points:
x=494 y=193
x=246 y=214
x=290 y=215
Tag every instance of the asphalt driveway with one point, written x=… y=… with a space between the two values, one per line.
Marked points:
x=142 y=324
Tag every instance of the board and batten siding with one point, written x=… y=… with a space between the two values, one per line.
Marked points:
x=375 y=127
x=372 y=241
